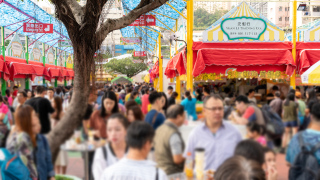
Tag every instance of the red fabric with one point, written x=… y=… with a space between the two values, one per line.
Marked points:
x=308 y=53
x=19 y=68
x=243 y=45
x=176 y=65
x=40 y=69
x=53 y=71
x=155 y=71
x=4 y=69
x=245 y=57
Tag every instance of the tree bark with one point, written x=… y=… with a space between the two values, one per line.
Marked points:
x=81 y=24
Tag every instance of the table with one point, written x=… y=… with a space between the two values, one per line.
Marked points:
x=84 y=148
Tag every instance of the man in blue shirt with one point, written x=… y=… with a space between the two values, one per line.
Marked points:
x=154 y=117
x=311 y=136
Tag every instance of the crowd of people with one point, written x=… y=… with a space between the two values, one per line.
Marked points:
x=141 y=128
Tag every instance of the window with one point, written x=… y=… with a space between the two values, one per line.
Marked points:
x=287 y=18
x=285 y=9
x=280 y=18
x=316 y=8
x=280 y=8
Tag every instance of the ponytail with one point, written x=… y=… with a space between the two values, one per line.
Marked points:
x=188 y=95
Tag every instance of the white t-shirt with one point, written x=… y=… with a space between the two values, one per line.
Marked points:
x=127 y=169
x=100 y=163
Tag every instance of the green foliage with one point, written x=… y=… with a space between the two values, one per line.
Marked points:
x=165 y=51
x=204 y=19
x=125 y=66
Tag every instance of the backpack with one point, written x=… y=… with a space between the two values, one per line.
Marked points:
x=12 y=167
x=274 y=125
x=305 y=165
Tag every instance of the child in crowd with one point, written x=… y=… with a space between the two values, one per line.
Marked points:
x=256 y=132
x=270 y=162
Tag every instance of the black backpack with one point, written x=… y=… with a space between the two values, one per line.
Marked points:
x=274 y=125
x=305 y=165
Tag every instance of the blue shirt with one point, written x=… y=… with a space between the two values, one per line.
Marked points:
x=43 y=158
x=310 y=137
x=159 y=119
x=218 y=147
x=190 y=107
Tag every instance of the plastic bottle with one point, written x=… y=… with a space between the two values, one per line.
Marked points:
x=189 y=166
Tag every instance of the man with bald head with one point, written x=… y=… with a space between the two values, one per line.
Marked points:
x=168 y=142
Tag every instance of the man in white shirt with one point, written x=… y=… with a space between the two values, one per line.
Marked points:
x=135 y=166
x=251 y=97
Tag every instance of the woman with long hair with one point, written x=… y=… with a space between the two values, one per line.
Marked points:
x=116 y=149
x=290 y=118
x=189 y=104
x=164 y=102
x=9 y=96
x=311 y=99
x=22 y=140
x=134 y=113
x=62 y=159
x=98 y=119
x=135 y=96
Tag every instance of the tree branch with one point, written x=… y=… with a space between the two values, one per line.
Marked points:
x=114 y=24
x=76 y=9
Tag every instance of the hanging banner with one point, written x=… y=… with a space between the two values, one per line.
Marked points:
x=130 y=40
x=50 y=57
x=139 y=54
x=65 y=43
x=144 y=20
x=70 y=61
x=15 y=48
x=243 y=28
x=35 y=52
x=37 y=28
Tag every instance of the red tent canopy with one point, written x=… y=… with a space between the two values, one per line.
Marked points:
x=40 y=69
x=18 y=68
x=218 y=57
x=155 y=71
x=177 y=65
x=308 y=53
x=5 y=70
x=54 y=72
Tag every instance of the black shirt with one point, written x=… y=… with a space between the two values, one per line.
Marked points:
x=43 y=107
x=171 y=101
x=89 y=111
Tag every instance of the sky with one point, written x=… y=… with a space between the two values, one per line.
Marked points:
x=45 y=3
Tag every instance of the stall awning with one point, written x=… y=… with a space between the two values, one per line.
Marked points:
x=54 y=72
x=4 y=69
x=40 y=69
x=220 y=57
x=308 y=54
x=176 y=65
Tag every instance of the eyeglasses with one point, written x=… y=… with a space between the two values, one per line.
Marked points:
x=214 y=108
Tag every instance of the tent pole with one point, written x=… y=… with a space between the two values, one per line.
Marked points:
x=178 y=77
x=27 y=60
x=294 y=50
x=189 y=44
x=3 y=49
x=44 y=60
x=56 y=63
x=160 y=65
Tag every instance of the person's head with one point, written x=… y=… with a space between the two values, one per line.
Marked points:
x=109 y=104
x=134 y=95
x=298 y=95
x=29 y=94
x=277 y=94
x=164 y=101
x=58 y=90
x=131 y=103
x=134 y=113
x=298 y=89
x=8 y=93
x=269 y=157
x=254 y=130
x=50 y=92
x=274 y=88
x=242 y=103
x=176 y=115
x=147 y=90
x=117 y=126
x=140 y=136
x=251 y=150
x=227 y=101
x=57 y=105
x=188 y=95
x=290 y=97
x=251 y=93
x=155 y=100
x=170 y=89
x=22 y=97
x=311 y=95
x=315 y=113
x=41 y=91
x=129 y=90
x=174 y=95
x=238 y=167
x=93 y=94
x=15 y=88
x=27 y=121
x=213 y=109
x=206 y=91
x=198 y=92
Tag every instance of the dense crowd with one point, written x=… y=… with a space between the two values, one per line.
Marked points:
x=141 y=128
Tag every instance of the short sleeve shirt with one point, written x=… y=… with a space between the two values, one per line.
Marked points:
x=159 y=120
x=175 y=144
x=250 y=114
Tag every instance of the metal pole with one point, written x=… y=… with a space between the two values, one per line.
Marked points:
x=294 y=49
x=160 y=66
x=43 y=60
x=27 y=84
x=178 y=89
x=189 y=44
x=55 y=63
x=3 y=49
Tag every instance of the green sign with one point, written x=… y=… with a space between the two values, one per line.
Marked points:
x=243 y=28
x=63 y=43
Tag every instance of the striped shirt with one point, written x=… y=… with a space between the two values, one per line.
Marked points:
x=127 y=169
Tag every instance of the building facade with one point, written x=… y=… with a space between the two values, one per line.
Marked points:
x=279 y=13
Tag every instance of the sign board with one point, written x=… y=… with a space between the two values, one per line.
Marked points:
x=65 y=43
x=50 y=56
x=243 y=28
x=70 y=61
x=145 y=20
x=139 y=53
x=15 y=48
x=130 y=40
x=61 y=60
x=37 y=28
x=35 y=52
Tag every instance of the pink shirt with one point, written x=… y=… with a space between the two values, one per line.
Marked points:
x=4 y=108
x=262 y=140
x=145 y=103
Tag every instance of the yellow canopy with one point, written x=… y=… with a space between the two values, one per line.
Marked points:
x=312 y=75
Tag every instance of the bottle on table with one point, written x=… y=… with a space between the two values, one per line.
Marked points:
x=189 y=166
